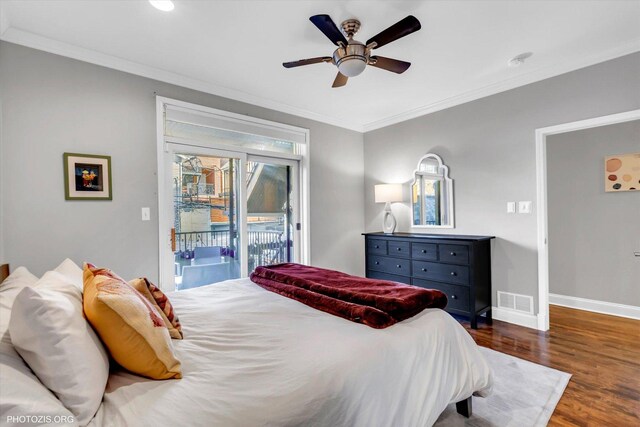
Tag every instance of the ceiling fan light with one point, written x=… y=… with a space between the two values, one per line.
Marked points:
x=352 y=67
x=163 y=5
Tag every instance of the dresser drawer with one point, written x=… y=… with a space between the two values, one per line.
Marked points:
x=384 y=276
x=377 y=246
x=396 y=248
x=389 y=265
x=457 y=274
x=457 y=296
x=425 y=251
x=454 y=253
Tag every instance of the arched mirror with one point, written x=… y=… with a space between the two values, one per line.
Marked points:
x=432 y=194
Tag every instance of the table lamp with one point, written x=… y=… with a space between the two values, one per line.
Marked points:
x=388 y=193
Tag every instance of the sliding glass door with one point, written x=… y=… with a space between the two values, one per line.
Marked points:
x=228 y=213
x=207 y=239
x=271 y=212
x=233 y=194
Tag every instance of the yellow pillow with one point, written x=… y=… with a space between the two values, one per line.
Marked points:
x=131 y=328
x=160 y=301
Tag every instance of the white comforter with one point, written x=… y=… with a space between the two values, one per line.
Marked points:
x=254 y=358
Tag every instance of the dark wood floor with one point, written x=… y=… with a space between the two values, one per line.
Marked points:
x=601 y=352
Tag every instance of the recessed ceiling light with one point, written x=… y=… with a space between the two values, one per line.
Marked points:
x=163 y=5
x=518 y=60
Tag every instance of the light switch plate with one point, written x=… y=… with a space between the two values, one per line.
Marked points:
x=524 y=207
x=146 y=214
x=511 y=207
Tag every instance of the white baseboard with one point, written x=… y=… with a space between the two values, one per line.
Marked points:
x=613 y=309
x=511 y=316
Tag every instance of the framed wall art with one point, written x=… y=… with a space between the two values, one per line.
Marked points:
x=87 y=177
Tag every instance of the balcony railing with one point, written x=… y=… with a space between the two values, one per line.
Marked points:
x=264 y=247
x=187 y=241
x=196 y=189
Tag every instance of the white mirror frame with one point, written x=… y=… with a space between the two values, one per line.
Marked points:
x=448 y=194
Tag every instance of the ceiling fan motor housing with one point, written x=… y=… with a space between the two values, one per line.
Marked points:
x=350 y=27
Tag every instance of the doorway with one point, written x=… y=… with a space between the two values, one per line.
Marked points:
x=542 y=212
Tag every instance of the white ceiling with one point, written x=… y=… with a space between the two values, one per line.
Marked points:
x=235 y=48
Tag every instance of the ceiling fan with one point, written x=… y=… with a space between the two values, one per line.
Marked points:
x=351 y=57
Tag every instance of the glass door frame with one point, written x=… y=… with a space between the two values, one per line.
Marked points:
x=295 y=192
x=167 y=208
x=239 y=123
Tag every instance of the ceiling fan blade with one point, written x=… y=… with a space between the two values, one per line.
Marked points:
x=340 y=80
x=402 y=28
x=389 y=64
x=307 y=61
x=329 y=28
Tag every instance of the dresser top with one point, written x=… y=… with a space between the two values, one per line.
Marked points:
x=430 y=236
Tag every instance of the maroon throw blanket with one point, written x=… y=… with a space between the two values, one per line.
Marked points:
x=376 y=303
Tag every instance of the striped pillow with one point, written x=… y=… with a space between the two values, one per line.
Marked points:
x=154 y=295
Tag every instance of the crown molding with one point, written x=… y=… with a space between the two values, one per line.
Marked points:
x=522 y=80
x=28 y=39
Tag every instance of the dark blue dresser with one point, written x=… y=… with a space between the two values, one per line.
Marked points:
x=459 y=266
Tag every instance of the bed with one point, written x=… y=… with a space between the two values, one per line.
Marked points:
x=254 y=358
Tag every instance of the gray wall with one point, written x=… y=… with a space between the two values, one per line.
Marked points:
x=489 y=145
x=592 y=234
x=51 y=104
x=2 y=257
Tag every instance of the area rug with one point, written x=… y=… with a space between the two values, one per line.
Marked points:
x=524 y=395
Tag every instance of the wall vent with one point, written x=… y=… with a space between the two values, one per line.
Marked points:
x=517 y=302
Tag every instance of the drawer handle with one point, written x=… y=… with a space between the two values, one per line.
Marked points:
x=377 y=247
x=453 y=273
x=454 y=297
x=424 y=269
x=452 y=254
x=424 y=251
x=399 y=249
x=377 y=263
x=398 y=265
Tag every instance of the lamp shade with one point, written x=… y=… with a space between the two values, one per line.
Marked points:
x=388 y=193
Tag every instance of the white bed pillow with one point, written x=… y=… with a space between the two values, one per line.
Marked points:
x=21 y=392
x=71 y=271
x=9 y=289
x=51 y=334
x=20 y=277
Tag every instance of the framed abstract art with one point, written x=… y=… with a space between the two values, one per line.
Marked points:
x=622 y=173
x=87 y=177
